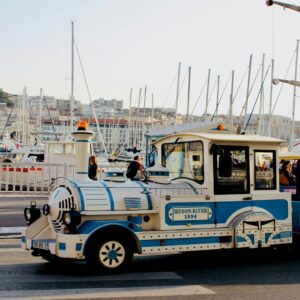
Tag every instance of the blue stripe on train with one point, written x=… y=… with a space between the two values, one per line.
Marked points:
x=222 y=211
x=89 y=226
x=185 y=241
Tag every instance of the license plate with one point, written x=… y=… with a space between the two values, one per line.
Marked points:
x=40 y=245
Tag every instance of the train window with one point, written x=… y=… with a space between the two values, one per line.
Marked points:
x=184 y=159
x=69 y=149
x=152 y=156
x=39 y=157
x=231 y=169
x=265 y=173
x=57 y=148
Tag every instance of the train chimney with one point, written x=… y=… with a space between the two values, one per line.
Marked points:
x=82 y=139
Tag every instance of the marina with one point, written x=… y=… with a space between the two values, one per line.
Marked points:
x=150 y=150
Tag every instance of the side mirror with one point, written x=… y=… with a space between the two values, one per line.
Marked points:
x=225 y=165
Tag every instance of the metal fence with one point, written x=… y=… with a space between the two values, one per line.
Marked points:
x=32 y=177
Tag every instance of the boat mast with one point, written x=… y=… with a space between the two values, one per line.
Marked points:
x=294 y=98
x=248 y=86
x=231 y=99
x=144 y=116
x=207 y=95
x=188 y=96
x=261 y=103
x=129 y=121
x=152 y=114
x=271 y=99
x=177 y=93
x=218 y=91
x=23 y=132
x=72 y=80
x=137 y=127
x=40 y=117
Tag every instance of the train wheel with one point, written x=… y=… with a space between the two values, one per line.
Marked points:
x=109 y=254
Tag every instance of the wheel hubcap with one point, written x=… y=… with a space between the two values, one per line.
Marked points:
x=112 y=254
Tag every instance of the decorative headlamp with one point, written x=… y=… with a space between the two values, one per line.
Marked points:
x=72 y=218
x=31 y=213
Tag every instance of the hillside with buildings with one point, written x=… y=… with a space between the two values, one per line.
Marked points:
x=48 y=119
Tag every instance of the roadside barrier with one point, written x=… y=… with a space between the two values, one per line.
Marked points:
x=32 y=178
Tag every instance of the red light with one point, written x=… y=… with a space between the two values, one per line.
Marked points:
x=221 y=127
x=82 y=125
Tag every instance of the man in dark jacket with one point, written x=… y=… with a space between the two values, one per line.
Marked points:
x=135 y=168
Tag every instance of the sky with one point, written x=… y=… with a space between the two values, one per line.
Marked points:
x=126 y=44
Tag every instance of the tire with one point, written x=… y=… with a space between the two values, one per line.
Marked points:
x=109 y=254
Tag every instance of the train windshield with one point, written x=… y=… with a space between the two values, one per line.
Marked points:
x=184 y=160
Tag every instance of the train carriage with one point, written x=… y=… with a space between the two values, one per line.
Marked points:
x=206 y=190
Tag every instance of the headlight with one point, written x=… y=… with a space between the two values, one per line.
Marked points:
x=67 y=218
x=32 y=213
x=27 y=214
x=72 y=218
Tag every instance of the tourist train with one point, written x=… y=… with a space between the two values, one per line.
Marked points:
x=208 y=189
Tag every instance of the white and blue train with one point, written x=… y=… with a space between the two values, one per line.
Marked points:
x=207 y=191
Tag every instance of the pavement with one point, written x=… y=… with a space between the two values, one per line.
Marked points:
x=10 y=231
x=12 y=211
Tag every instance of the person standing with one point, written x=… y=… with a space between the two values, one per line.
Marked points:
x=93 y=168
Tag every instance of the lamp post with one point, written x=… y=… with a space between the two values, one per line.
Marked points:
x=292 y=82
x=285 y=5
x=295 y=84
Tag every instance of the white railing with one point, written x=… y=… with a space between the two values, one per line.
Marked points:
x=32 y=177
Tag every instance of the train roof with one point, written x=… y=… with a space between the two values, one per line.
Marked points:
x=221 y=137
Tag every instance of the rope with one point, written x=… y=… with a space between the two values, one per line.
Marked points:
x=205 y=83
x=212 y=90
x=51 y=119
x=179 y=91
x=7 y=120
x=244 y=106
x=234 y=97
x=217 y=106
x=281 y=87
x=92 y=106
x=168 y=94
x=260 y=90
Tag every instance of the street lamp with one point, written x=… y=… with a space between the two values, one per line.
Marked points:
x=295 y=84
x=286 y=5
x=292 y=82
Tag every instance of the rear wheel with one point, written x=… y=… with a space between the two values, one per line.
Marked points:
x=109 y=254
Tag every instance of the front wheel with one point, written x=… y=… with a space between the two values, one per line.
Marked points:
x=109 y=254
